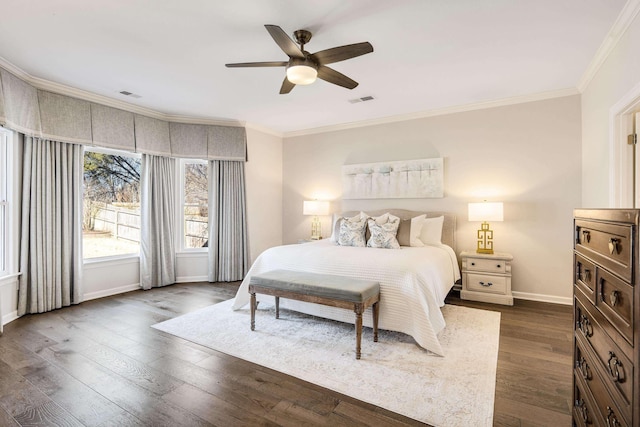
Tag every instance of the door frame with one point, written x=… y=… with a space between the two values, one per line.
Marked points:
x=621 y=159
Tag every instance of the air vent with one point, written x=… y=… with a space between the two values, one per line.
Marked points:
x=127 y=93
x=363 y=99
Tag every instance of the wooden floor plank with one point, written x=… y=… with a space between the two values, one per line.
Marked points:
x=101 y=364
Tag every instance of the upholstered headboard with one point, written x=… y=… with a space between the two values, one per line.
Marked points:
x=448 y=227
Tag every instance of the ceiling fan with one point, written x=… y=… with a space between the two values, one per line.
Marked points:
x=303 y=67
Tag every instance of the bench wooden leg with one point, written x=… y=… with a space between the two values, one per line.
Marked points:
x=277 y=307
x=358 y=309
x=376 y=313
x=253 y=311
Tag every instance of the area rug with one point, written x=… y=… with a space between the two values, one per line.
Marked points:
x=394 y=373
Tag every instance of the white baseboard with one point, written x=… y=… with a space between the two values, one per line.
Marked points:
x=187 y=279
x=543 y=298
x=9 y=317
x=112 y=291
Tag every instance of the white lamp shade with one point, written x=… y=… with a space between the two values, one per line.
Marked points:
x=486 y=211
x=301 y=74
x=315 y=207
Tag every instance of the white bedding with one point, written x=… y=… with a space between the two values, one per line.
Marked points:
x=413 y=283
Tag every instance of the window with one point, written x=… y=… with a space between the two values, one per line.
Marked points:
x=195 y=204
x=111 y=216
x=5 y=170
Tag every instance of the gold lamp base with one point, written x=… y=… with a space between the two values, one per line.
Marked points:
x=485 y=239
x=316 y=228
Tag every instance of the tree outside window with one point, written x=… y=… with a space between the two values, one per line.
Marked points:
x=195 y=204
x=111 y=220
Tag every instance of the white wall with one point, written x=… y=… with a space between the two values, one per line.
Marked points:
x=615 y=78
x=526 y=155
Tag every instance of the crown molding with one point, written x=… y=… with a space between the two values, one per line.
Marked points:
x=263 y=129
x=620 y=26
x=73 y=92
x=438 y=112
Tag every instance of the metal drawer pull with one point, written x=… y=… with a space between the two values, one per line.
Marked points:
x=486 y=284
x=582 y=409
x=583 y=367
x=585 y=276
x=586 y=236
x=612 y=421
x=615 y=367
x=498 y=266
x=613 y=245
x=473 y=263
x=614 y=298
x=584 y=325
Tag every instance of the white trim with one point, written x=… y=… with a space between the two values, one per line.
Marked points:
x=439 y=112
x=620 y=161
x=93 y=263
x=543 y=298
x=620 y=26
x=193 y=253
x=9 y=317
x=111 y=291
x=110 y=102
x=9 y=277
x=187 y=279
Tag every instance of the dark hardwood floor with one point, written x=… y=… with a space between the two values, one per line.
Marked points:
x=100 y=364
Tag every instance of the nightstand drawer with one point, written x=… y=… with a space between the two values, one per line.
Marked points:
x=486 y=283
x=486 y=265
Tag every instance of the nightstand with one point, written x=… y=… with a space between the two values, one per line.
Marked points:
x=486 y=278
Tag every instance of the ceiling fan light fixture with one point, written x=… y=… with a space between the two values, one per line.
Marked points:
x=301 y=74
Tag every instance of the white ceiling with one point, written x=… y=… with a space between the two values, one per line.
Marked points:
x=428 y=54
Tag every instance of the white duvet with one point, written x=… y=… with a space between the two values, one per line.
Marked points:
x=413 y=283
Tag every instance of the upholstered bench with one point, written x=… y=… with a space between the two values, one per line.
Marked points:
x=335 y=291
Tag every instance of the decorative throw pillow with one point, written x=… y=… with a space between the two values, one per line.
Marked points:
x=337 y=220
x=431 y=233
x=352 y=231
x=409 y=231
x=384 y=235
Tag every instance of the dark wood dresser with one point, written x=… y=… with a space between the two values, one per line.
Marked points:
x=606 y=300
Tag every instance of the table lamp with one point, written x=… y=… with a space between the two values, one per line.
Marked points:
x=485 y=212
x=315 y=208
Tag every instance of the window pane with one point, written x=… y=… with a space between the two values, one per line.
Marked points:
x=4 y=179
x=196 y=205
x=3 y=239
x=111 y=223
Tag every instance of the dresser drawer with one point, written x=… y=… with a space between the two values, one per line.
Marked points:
x=585 y=276
x=486 y=283
x=584 y=409
x=607 y=244
x=614 y=299
x=611 y=364
x=486 y=265
x=605 y=405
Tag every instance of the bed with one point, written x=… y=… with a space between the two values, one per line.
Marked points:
x=414 y=281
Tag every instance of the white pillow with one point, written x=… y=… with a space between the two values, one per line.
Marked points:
x=417 y=223
x=352 y=231
x=384 y=235
x=431 y=233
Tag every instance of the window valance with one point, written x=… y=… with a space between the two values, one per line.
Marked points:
x=63 y=118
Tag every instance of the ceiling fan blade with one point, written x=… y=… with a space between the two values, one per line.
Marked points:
x=284 y=41
x=258 y=64
x=286 y=86
x=332 y=76
x=341 y=53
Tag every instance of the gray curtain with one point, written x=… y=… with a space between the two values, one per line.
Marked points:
x=157 y=233
x=51 y=227
x=228 y=242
